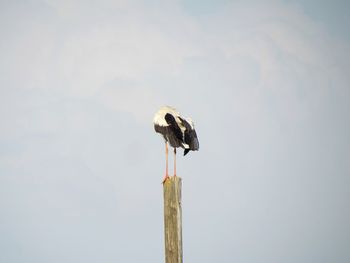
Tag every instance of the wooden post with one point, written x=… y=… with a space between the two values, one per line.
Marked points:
x=172 y=220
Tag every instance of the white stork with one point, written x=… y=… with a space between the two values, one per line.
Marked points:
x=177 y=131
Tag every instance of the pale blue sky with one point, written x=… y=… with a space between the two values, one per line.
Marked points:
x=266 y=83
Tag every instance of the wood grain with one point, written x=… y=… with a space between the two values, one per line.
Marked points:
x=172 y=220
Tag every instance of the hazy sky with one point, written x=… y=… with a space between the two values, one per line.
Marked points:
x=267 y=84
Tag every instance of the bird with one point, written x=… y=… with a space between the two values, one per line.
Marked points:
x=177 y=131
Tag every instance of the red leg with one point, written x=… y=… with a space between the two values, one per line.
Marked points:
x=166 y=163
x=174 y=161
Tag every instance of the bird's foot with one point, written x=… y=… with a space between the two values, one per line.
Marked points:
x=166 y=177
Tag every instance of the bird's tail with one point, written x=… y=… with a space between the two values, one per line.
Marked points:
x=186 y=151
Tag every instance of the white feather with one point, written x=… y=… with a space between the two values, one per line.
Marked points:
x=186 y=146
x=159 y=117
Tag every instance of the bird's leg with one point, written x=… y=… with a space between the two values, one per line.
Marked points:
x=166 y=154
x=166 y=163
x=174 y=161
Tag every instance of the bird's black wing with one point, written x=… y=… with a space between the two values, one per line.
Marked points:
x=174 y=127
x=190 y=137
x=161 y=129
x=192 y=140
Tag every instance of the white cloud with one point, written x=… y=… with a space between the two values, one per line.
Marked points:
x=296 y=57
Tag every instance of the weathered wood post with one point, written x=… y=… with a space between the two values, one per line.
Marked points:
x=172 y=220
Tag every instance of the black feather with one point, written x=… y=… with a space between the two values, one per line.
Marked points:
x=190 y=136
x=174 y=134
